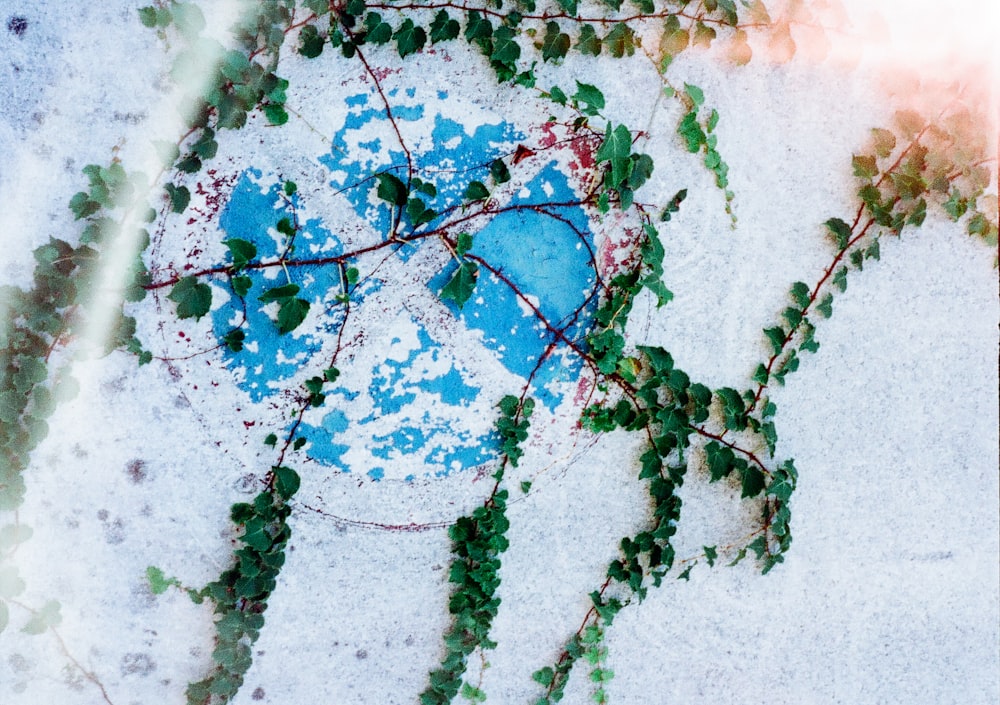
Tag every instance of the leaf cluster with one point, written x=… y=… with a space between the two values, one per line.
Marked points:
x=698 y=131
x=12 y=585
x=625 y=170
x=606 y=340
x=240 y=593
x=478 y=541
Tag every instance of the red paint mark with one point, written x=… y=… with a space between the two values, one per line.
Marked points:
x=249 y=424
x=214 y=193
x=582 y=391
x=583 y=148
x=548 y=136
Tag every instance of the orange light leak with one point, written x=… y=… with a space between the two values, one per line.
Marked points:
x=954 y=40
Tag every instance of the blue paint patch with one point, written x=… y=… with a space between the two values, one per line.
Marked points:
x=335 y=422
x=401 y=390
x=403 y=441
x=412 y=407
x=549 y=259
x=268 y=358
x=454 y=158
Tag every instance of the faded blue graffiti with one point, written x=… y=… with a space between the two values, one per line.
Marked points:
x=409 y=414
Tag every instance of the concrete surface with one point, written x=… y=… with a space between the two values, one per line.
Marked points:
x=889 y=594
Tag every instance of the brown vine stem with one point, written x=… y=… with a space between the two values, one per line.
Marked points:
x=388 y=114
x=838 y=258
x=89 y=675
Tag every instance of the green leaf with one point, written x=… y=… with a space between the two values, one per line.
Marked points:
x=310 y=42
x=206 y=147
x=193 y=298
x=291 y=313
x=729 y=12
x=444 y=28
x=691 y=131
x=147 y=15
x=544 y=676
x=190 y=164
x=825 y=307
x=840 y=279
x=275 y=113
x=620 y=41
x=918 y=214
x=82 y=206
x=711 y=554
x=720 y=459
x=753 y=481
x=841 y=232
x=956 y=206
x=588 y=42
x=777 y=337
x=234 y=339
x=277 y=293
x=704 y=35
x=11 y=584
x=909 y=186
x=242 y=251
x=739 y=557
x=463 y=244
x=505 y=49
x=241 y=285
x=286 y=482
x=286 y=227
x=391 y=189
x=378 y=32
x=758 y=546
x=180 y=196
x=590 y=96
x=462 y=283
x=674 y=39
x=555 y=44
x=47 y=616
x=476 y=191
x=418 y=213
x=616 y=149
x=473 y=694
x=525 y=486
x=409 y=38
x=642 y=169
x=695 y=94
x=793 y=316
x=800 y=294
x=158 y=582
x=499 y=171
x=478 y=29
